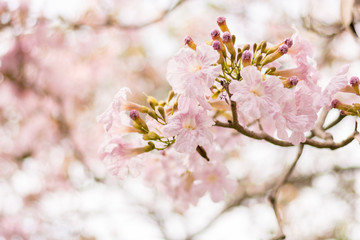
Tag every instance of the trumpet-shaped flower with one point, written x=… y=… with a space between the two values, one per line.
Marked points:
x=191 y=128
x=113 y=111
x=120 y=157
x=254 y=97
x=191 y=72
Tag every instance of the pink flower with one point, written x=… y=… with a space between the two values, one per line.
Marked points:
x=338 y=82
x=254 y=97
x=113 y=111
x=347 y=98
x=213 y=178
x=191 y=129
x=301 y=48
x=120 y=157
x=297 y=116
x=191 y=72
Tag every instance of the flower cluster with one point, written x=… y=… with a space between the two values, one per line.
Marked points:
x=246 y=86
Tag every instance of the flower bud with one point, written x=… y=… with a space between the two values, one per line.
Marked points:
x=290 y=82
x=246 y=58
x=215 y=35
x=171 y=95
x=149 y=147
x=221 y=21
x=161 y=110
x=151 y=136
x=138 y=123
x=217 y=46
x=288 y=42
x=354 y=82
x=334 y=103
x=283 y=49
x=227 y=39
x=152 y=102
x=246 y=47
x=188 y=41
x=153 y=114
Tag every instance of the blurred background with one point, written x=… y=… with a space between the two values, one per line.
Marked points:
x=63 y=61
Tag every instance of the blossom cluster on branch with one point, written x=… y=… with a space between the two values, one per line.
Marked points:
x=262 y=91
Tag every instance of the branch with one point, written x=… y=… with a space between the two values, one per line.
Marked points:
x=329 y=143
x=111 y=22
x=274 y=193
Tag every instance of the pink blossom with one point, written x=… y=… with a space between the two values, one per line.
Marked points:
x=347 y=98
x=294 y=117
x=254 y=97
x=191 y=129
x=338 y=82
x=191 y=72
x=301 y=48
x=213 y=178
x=113 y=111
x=120 y=157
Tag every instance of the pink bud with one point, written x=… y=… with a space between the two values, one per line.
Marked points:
x=216 y=45
x=354 y=81
x=283 y=48
x=134 y=114
x=288 y=42
x=226 y=37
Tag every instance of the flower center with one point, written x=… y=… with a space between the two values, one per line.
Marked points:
x=212 y=178
x=189 y=123
x=257 y=90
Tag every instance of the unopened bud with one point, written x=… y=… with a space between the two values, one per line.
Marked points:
x=254 y=47
x=149 y=147
x=188 y=41
x=288 y=42
x=258 y=59
x=246 y=47
x=151 y=136
x=152 y=102
x=138 y=123
x=171 y=95
x=283 y=49
x=161 y=110
x=221 y=21
x=215 y=35
x=262 y=46
x=162 y=103
x=270 y=70
x=246 y=58
x=290 y=82
x=134 y=115
x=354 y=81
x=335 y=103
x=293 y=80
x=153 y=114
x=227 y=39
x=217 y=46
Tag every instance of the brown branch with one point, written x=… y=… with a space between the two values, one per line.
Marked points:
x=111 y=22
x=329 y=143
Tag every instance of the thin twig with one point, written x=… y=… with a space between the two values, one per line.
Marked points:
x=273 y=197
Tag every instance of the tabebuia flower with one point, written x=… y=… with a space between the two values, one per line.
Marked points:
x=121 y=158
x=113 y=111
x=192 y=73
x=255 y=98
x=191 y=128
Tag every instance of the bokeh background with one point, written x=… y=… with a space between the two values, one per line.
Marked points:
x=63 y=61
